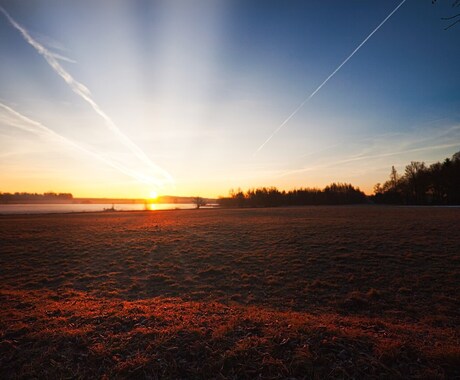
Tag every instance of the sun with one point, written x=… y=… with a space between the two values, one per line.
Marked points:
x=153 y=194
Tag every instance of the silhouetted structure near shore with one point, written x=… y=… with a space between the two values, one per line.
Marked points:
x=336 y=193
x=438 y=184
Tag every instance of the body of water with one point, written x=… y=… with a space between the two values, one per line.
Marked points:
x=78 y=207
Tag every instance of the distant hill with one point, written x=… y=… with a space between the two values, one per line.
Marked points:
x=23 y=197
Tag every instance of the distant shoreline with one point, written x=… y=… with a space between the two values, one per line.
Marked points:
x=116 y=212
x=67 y=198
x=160 y=200
x=73 y=208
x=125 y=211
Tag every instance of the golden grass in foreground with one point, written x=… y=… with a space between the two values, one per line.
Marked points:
x=320 y=292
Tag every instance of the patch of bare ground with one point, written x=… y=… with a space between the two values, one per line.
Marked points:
x=314 y=292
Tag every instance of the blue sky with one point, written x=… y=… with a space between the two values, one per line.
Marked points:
x=181 y=94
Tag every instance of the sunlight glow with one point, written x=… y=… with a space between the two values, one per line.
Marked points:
x=153 y=195
x=173 y=97
x=161 y=176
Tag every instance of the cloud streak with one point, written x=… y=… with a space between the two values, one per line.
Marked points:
x=300 y=106
x=82 y=91
x=19 y=121
x=368 y=157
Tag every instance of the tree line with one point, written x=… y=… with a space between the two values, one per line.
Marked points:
x=336 y=193
x=437 y=184
x=34 y=197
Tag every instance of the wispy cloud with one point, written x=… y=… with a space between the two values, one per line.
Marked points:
x=63 y=58
x=82 y=91
x=367 y=157
x=14 y=119
x=300 y=106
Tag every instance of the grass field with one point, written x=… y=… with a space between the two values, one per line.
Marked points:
x=313 y=292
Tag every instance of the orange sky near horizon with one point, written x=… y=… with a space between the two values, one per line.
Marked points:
x=270 y=96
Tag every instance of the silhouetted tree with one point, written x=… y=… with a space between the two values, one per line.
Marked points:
x=394 y=178
x=198 y=201
x=437 y=184
x=335 y=193
x=416 y=182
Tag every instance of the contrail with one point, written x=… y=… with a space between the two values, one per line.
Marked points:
x=82 y=91
x=37 y=128
x=359 y=158
x=327 y=79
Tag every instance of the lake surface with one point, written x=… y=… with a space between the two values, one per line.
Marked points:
x=56 y=208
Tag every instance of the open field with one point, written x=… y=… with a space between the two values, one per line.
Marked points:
x=313 y=292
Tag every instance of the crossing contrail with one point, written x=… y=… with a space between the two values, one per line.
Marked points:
x=82 y=91
x=24 y=123
x=299 y=107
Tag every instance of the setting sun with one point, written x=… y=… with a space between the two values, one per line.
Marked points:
x=153 y=195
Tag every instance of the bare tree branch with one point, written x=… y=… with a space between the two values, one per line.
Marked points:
x=455 y=4
x=451 y=25
x=450 y=18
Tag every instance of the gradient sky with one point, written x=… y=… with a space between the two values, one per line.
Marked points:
x=177 y=96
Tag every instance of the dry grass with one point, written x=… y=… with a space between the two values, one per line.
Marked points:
x=316 y=292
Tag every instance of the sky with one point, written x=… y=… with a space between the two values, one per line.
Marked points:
x=128 y=98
